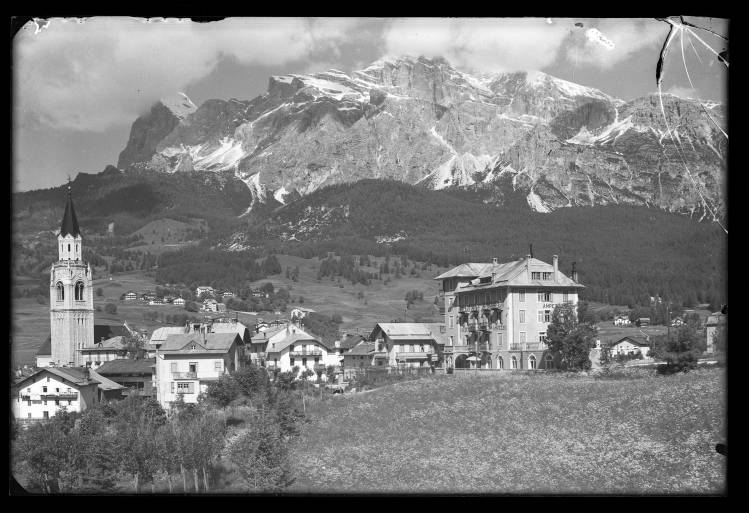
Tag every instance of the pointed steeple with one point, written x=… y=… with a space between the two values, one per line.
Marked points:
x=69 y=224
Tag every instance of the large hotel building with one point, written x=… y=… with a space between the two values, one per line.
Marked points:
x=496 y=314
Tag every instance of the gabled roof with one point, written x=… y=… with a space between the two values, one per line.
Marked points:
x=405 y=330
x=76 y=376
x=45 y=349
x=109 y=344
x=214 y=342
x=69 y=225
x=160 y=334
x=361 y=349
x=639 y=341
x=230 y=327
x=127 y=366
x=104 y=383
x=468 y=270
x=263 y=336
x=349 y=341
x=292 y=338
x=513 y=274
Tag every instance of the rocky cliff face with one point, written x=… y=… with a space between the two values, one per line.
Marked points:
x=423 y=121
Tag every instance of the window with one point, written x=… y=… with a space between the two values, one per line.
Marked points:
x=532 y=361
x=450 y=339
x=536 y=276
x=499 y=340
x=193 y=366
x=45 y=414
x=304 y=362
x=548 y=316
x=522 y=296
x=451 y=321
x=68 y=247
x=174 y=366
x=173 y=387
x=79 y=291
x=522 y=336
x=217 y=365
x=513 y=362
x=45 y=402
x=29 y=415
x=546 y=276
x=44 y=389
x=380 y=362
x=522 y=316
x=60 y=291
x=291 y=361
x=540 y=316
x=57 y=390
x=57 y=402
x=544 y=297
x=542 y=336
x=185 y=388
x=499 y=362
x=565 y=297
x=548 y=361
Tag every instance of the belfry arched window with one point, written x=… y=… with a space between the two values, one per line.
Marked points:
x=79 y=291
x=60 y=291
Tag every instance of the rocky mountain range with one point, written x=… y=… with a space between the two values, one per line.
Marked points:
x=422 y=121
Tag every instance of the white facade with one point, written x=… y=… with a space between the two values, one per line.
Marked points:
x=44 y=394
x=626 y=347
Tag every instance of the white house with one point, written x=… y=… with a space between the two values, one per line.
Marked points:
x=104 y=351
x=40 y=395
x=210 y=305
x=178 y=301
x=622 y=320
x=186 y=363
x=293 y=347
x=130 y=296
x=409 y=344
x=204 y=289
x=630 y=345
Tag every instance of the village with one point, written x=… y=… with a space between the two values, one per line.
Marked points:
x=496 y=318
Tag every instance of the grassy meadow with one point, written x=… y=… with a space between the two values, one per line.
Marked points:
x=520 y=433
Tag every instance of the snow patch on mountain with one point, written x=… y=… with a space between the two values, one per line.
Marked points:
x=279 y=194
x=226 y=156
x=180 y=105
x=536 y=203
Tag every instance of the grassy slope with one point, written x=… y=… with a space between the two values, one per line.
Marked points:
x=519 y=434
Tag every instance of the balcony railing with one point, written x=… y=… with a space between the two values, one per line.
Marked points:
x=414 y=354
x=307 y=352
x=516 y=347
x=527 y=346
x=60 y=395
x=184 y=375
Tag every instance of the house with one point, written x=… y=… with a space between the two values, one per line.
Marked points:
x=622 y=320
x=40 y=395
x=137 y=376
x=715 y=322
x=405 y=344
x=156 y=301
x=643 y=321
x=186 y=363
x=359 y=357
x=259 y=341
x=497 y=314
x=130 y=296
x=104 y=351
x=225 y=325
x=630 y=345
x=347 y=342
x=227 y=294
x=677 y=322
x=178 y=301
x=169 y=299
x=210 y=305
x=204 y=290
x=294 y=347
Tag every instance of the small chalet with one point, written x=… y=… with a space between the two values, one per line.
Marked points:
x=130 y=296
x=178 y=301
x=409 y=344
x=630 y=345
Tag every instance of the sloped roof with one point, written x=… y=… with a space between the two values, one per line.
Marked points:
x=230 y=327
x=411 y=331
x=361 y=349
x=214 y=342
x=513 y=274
x=160 y=334
x=104 y=383
x=639 y=341
x=69 y=225
x=716 y=318
x=349 y=341
x=127 y=366
x=109 y=344
x=292 y=338
x=263 y=336
x=468 y=270
x=45 y=349
x=74 y=375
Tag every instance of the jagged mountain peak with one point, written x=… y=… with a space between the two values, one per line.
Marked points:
x=179 y=104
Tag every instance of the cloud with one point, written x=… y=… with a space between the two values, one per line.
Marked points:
x=627 y=35
x=97 y=73
x=479 y=44
x=512 y=44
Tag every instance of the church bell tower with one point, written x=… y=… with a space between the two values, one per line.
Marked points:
x=71 y=295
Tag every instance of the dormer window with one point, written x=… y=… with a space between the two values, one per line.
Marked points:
x=536 y=275
x=546 y=276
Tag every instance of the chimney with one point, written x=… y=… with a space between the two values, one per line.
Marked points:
x=554 y=267
x=574 y=273
x=531 y=251
x=494 y=260
x=528 y=273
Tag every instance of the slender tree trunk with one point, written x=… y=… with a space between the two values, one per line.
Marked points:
x=195 y=478
x=153 y=490
x=184 y=478
x=136 y=482
x=205 y=479
x=169 y=481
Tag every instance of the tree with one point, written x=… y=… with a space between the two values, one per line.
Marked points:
x=569 y=339
x=191 y=306
x=99 y=292
x=110 y=308
x=260 y=456
x=680 y=350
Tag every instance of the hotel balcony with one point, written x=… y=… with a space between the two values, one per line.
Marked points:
x=306 y=352
x=184 y=375
x=418 y=355
x=527 y=346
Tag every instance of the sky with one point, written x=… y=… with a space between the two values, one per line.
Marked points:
x=78 y=84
